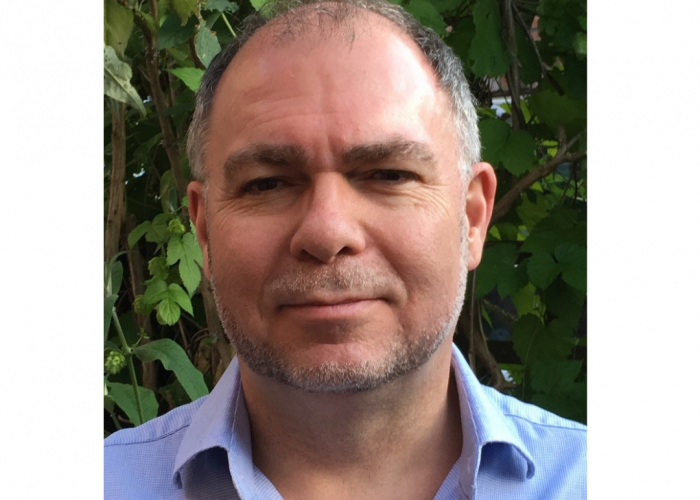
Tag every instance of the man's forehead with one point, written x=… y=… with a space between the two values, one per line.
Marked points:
x=301 y=35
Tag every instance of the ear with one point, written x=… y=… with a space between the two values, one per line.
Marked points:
x=480 y=195
x=198 y=215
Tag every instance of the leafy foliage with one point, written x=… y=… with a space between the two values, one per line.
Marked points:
x=527 y=69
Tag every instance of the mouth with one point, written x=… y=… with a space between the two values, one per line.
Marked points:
x=330 y=308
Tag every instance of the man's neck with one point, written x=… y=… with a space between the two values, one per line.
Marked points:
x=397 y=441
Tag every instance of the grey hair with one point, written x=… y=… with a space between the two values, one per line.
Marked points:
x=447 y=66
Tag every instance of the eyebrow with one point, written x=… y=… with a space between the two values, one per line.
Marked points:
x=389 y=150
x=276 y=155
x=282 y=155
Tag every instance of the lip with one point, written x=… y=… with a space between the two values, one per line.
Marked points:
x=330 y=309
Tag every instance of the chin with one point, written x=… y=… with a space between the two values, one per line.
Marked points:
x=336 y=368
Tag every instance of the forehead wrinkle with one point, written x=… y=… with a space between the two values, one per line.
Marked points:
x=382 y=151
x=275 y=155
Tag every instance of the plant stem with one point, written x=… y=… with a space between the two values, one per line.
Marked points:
x=129 y=362
x=115 y=420
x=228 y=25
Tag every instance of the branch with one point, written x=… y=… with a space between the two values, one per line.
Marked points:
x=543 y=67
x=506 y=202
x=166 y=126
x=116 y=209
x=513 y=73
x=498 y=381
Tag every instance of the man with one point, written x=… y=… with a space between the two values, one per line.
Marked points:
x=339 y=203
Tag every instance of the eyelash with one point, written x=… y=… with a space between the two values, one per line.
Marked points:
x=405 y=175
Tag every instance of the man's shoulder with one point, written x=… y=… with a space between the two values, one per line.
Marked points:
x=170 y=425
x=556 y=446
x=522 y=414
x=138 y=462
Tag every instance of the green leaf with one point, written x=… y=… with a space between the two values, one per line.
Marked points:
x=426 y=14
x=530 y=69
x=532 y=340
x=114 y=274
x=531 y=213
x=123 y=396
x=155 y=292
x=525 y=300
x=171 y=300
x=542 y=269
x=189 y=271
x=185 y=8
x=192 y=249
x=579 y=43
x=553 y=109
x=176 y=249
x=518 y=154
x=572 y=260
x=190 y=275
x=507 y=231
x=461 y=40
x=109 y=305
x=446 y=5
x=172 y=33
x=117 y=81
x=221 y=6
x=174 y=358
x=178 y=295
x=559 y=226
x=496 y=268
x=494 y=136
x=257 y=4
x=206 y=45
x=118 y=24
x=512 y=281
x=168 y=310
x=158 y=232
x=191 y=77
x=136 y=233
x=158 y=268
x=487 y=52
x=554 y=377
x=575 y=76
x=565 y=302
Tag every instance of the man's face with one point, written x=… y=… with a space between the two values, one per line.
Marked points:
x=334 y=213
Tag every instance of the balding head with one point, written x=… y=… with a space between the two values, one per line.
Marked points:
x=286 y=21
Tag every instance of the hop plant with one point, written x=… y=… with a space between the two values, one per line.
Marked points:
x=115 y=362
x=176 y=227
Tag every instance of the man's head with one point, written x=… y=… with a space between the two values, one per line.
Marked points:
x=331 y=202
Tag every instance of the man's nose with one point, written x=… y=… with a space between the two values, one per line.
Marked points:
x=329 y=225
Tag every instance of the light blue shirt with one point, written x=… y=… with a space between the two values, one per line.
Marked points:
x=510 y=450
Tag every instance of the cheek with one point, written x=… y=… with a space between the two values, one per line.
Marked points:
x=426 y=253
x=244 y=254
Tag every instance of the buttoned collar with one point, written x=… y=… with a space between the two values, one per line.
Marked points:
x=222 y=422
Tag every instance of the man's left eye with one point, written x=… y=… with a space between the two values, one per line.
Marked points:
x=393 y=175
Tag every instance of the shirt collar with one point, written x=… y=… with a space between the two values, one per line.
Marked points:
x=484 y=424
x=222 y=421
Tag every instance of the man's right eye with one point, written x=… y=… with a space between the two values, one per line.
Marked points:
x=261 y=185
